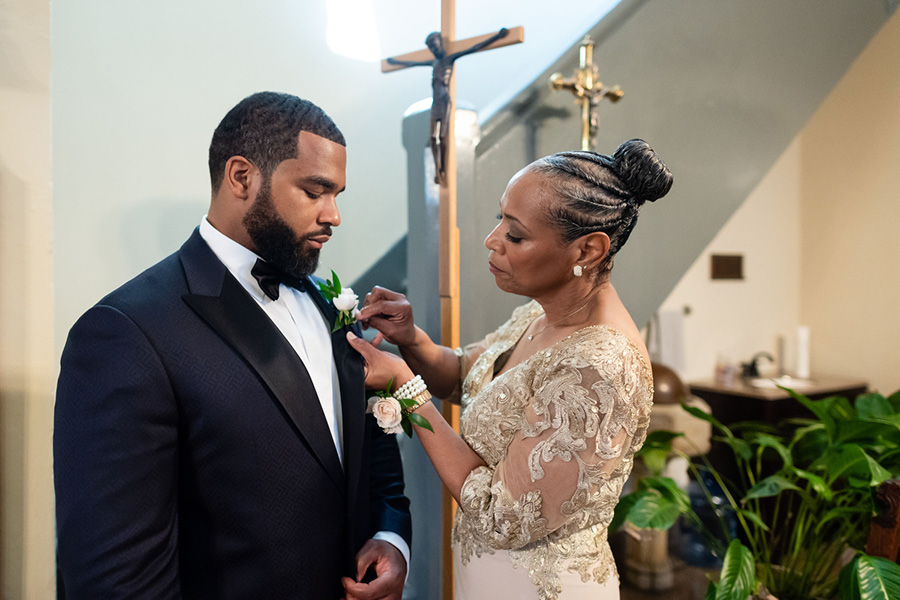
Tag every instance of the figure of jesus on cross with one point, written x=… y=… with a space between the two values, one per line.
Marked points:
x=441 y=103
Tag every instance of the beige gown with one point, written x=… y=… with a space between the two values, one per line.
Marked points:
x=558 y=433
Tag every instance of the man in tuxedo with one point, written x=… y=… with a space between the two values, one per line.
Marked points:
x=210 y=432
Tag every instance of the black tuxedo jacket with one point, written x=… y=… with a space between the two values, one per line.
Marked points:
x=191 y=455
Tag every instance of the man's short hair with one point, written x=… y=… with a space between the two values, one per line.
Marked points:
x=263 y=128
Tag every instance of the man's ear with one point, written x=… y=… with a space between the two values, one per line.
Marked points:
x=241 y=177
x=594 y=248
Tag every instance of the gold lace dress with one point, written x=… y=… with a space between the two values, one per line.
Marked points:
x=558 y=433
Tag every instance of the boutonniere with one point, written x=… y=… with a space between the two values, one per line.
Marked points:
x=344 y=300
x=394 y=413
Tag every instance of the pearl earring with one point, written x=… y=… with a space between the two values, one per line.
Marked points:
x=577 y=270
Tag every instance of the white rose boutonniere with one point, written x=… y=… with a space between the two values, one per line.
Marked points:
x=395 y=415
x=344 y=300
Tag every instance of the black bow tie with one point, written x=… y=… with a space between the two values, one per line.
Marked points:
x=270 y=277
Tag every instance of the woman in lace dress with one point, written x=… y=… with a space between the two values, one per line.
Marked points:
x=557 y=400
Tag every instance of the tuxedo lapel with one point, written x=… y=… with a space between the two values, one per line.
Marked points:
x=349 y=364
x=230 y=310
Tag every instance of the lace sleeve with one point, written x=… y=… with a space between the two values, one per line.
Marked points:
x=469 y=354
x=587 y=416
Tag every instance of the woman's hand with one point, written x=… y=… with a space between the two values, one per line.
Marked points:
x=381 y=367
x=391 y=314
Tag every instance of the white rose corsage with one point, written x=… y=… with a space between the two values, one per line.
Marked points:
x=344 y=300
x=394 y=413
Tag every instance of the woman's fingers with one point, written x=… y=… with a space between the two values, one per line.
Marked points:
x=387 y=309
x=380 y=294
x=384 y=303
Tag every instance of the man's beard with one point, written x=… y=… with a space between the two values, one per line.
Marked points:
x=276 y=242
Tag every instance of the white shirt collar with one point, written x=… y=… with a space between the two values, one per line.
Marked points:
x=236 y=258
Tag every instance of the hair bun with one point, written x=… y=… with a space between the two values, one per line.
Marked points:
x=642 y=171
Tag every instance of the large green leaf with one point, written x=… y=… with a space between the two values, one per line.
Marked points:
x=869 y=578
x=894 y=399
x=892 y=419
x=737 y=580
x=854 y=463
x=771 y=486
x=878 y=473
x=868 y=432
x=623 y=507
x=655 y=460
x=668 y=488
x=873 y=405
x=843 y=461
x=656 y=449
x=654 y=511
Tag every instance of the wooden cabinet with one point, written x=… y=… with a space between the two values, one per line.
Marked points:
x=744 y=402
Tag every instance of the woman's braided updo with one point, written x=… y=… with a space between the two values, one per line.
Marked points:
x=603 y=193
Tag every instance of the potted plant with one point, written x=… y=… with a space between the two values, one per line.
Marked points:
x=803 y=499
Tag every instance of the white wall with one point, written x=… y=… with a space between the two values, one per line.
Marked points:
x=819 y=237
x=850 y=215
x=736 y=319
x=27 y=368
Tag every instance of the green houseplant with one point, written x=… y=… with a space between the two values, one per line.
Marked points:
x=802 y=500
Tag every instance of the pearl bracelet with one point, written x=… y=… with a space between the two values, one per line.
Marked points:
x=411 y=388
x=416 y=390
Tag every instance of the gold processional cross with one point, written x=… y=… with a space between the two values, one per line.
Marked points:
x=443 y=50
x=588 y=92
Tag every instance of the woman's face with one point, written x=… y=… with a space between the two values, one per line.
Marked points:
x=528 y=256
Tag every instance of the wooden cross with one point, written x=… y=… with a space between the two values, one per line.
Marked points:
x=443 y=50
x=587 y=90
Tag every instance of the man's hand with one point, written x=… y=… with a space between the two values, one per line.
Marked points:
x=390 y=573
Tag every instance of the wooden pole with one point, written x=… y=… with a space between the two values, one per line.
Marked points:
x=449 y=285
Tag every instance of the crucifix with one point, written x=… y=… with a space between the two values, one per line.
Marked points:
x=587 y=90
x=442 y=51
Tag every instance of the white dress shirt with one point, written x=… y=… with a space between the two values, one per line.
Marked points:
x=299 y=320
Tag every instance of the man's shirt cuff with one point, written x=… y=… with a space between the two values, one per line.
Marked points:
x=398 y=542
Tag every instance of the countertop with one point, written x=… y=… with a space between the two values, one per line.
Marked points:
x=815 y=386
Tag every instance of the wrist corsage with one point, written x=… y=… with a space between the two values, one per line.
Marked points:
x=344 y=300
x=396 y=413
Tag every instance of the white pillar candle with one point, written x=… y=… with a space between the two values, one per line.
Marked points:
x=802 y=371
